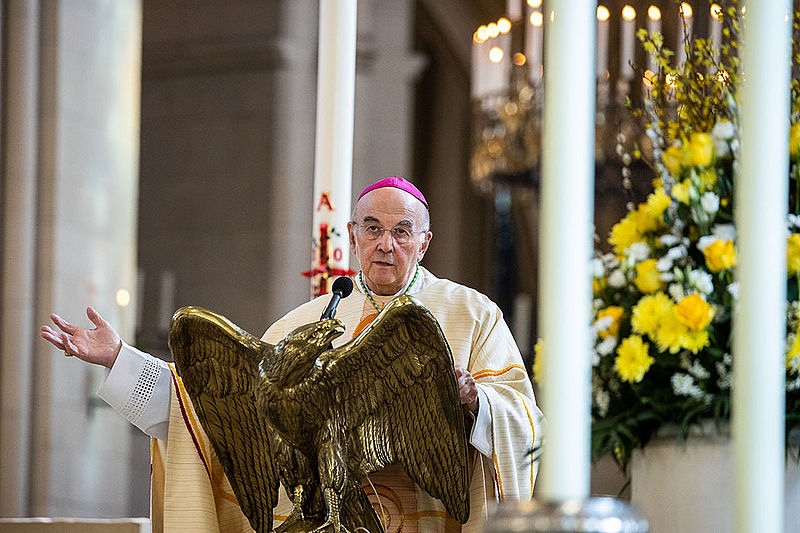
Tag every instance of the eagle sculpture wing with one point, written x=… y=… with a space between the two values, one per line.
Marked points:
x=219 y=365
x=396 y=386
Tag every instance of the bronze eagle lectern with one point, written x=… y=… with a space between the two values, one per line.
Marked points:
x=319 y=419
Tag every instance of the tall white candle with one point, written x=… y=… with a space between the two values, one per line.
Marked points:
x=499 y=65
x=715 y=25
x=685 y=28
x=627 y=36
x=476 y=72
x=653 y=26
x=566 y=240
x=601 y=65
x=333 y=157
x=759 y=327
x=534 y=37
x=514 y=9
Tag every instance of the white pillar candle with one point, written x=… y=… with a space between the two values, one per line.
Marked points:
x=499 y=65
x=653 y=26
x=534 y=37
x=685 y=28
x=566 y=240
x=476 y=71
x=758 y=409
x=715 y=26
x=601 y=64
x=333 y=157
x=627 y=36
x=514 y=9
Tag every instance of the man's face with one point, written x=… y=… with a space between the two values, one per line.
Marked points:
x=387 y=264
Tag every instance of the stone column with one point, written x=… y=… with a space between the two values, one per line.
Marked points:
x=18 y=212
x=86 y=246
x=291 y=201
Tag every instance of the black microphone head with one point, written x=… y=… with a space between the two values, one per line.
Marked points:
x=343 y=285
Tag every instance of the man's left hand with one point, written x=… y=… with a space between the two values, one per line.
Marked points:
x=467 y=389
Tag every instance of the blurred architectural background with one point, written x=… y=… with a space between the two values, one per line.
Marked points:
x=158 y=153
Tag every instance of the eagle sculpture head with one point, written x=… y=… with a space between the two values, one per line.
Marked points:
x=297 y=353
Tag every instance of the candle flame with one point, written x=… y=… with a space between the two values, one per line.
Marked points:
x=628 y=13
x=482 y=33
x=504 y=25
x=123 y=298
x=672 y=80
x=519 y=59
x=494 y=31
x=602 y=13
x=654 y=13
x=716 y=11
x=685 y=10
x=537 y=19
x=496 y=54
x=535 y=3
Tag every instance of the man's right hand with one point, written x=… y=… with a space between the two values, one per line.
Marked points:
x=100 y=345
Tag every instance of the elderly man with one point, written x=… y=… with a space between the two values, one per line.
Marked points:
x=389 y=234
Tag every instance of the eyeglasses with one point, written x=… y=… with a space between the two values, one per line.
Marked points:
x=400 y=234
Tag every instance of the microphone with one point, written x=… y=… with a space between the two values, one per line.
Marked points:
x=342 y=288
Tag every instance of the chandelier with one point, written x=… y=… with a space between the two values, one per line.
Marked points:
x=508 y=93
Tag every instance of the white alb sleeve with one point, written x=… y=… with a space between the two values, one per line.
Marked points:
x=138 y=388
x=481 y=435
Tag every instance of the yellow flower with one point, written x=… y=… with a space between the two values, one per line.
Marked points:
x=694 y=341
x=650 y=215
x=598 y=284
x=694 y=312
x=708 y=178
x=672 y=335
x=794 y=139
x=680 y=191
x=632 y=361
x=673 y=158
x=793 y=254
x=538 y=362
x=615 y=312
x=700 y=150
x=648 y=313
x=648 y=278
x=623 y=234
x=720 y=255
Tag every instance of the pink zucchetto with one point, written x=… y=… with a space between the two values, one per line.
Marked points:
x=399 y=183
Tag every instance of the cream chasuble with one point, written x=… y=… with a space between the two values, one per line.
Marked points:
x=190 y=491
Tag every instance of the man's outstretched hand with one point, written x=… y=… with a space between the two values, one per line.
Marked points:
x=99 y=345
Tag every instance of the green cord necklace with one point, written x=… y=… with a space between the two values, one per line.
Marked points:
x=369 y=296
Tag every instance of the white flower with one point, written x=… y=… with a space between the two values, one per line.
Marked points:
x=610 y=260
x=617 y=279
x=702 y=281
x=683 y=385
x=598 y=304
x=698 y=371
x=721 y=133
x=710 y=203
x=669 y=240
x=677 y=252
x=723 y=232
x=639 y=251
x=723 y=130
x=733 y=289
x=793 y=221
x=597 y=268
x=664 y=264
x=676 y=291
x=602 y=399
x=606 y=346
x=602 y=324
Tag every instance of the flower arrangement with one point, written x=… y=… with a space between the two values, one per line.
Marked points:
x=663 y=295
